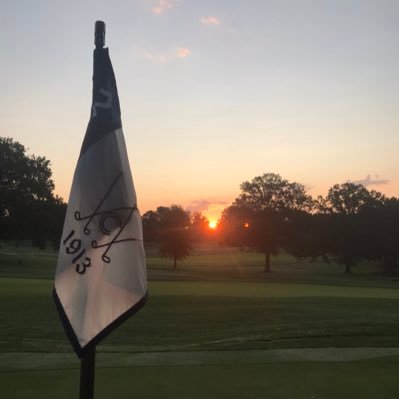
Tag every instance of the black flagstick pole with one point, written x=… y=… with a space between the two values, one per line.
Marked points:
x=88 y=361
x=87 y=370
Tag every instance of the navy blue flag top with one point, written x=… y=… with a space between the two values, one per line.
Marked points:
x=101 y=275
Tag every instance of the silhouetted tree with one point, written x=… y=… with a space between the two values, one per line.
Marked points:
x=170 y=228
x=151 y=226
x=379 y=221
x=260 y=215
x=264 y=233
x=199 y=227
x=55 y=216
x=270 y=191
x=299 y=235
x=233 y=222
x=342 y=205
x=26 y=195
x=345 y=199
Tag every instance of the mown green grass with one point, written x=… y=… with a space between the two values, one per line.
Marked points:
x=198 y=338
x=325 y=380
x=209 y=263
x=213 y=315
x=27 y=262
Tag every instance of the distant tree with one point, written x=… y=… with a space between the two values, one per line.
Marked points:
x=233 y=222
x=264 y=233
x=259 y=217
x=342 y=206
x=55 y=216
x=199 y=227
x=170 y=228
x=300 y=235
x=379 y=221
x=345 y=199
x=270 y=191
x=151 y=220
x=26 y=195
x=345 y=240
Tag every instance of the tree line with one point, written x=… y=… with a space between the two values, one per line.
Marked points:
x=271 y=214
x=349 y=224
x=29 y=209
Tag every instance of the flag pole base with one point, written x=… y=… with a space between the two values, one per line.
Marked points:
x=87 y=372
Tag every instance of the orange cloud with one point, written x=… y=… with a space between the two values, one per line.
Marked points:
x=162 y=6
x=211 y=20
x=183 y=52
x=165 y=57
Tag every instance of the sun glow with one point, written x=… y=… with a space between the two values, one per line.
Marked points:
x=212 y=224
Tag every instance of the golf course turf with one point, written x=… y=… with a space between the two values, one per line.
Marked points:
x=204 y=337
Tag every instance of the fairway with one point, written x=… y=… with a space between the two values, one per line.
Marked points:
x=278 y=380
x=271 y=338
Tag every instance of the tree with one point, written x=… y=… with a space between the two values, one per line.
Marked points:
x=233 y=222
x=342 y=205
x=300 y=235
x=346 y=199
x=199 y=227
x=260 y=215
x=26 y=195
x=379 y=221
x=170 y=227
x=55 y=215
x=270 y=191
x=151 y=226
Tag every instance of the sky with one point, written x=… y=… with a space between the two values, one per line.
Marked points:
x=213 y=93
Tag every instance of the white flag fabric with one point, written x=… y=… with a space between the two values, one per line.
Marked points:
x=101 y=275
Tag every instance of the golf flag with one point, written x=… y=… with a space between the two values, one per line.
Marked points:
x=101 y=275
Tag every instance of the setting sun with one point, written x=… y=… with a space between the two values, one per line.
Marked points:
x=212 y=224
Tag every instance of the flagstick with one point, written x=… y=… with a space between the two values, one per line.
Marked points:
x=87 y=369
x=88 y=361
x=99 y=34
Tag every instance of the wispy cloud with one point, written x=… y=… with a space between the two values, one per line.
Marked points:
x=168 y=56
x=155 y=58
x=210 y=20
x=162 y=6
x=369 y=181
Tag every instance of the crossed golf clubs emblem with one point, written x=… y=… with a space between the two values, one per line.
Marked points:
x=118 y=218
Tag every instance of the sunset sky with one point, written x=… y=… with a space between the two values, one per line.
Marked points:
x=212 y=93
